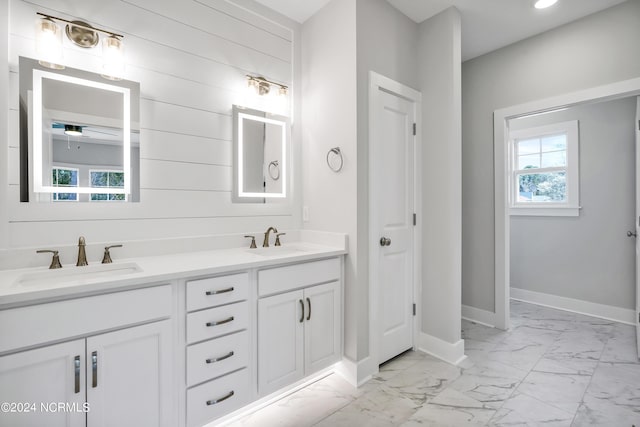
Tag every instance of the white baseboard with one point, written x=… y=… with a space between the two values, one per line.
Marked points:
x=355 y=373
x=608 y=312
x=443 y=350
x=477 y=315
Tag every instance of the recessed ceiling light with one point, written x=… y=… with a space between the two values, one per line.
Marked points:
x=543 y=4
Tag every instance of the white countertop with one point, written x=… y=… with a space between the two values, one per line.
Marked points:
x=31 y=285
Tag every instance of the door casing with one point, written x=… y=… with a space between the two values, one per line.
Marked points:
x=618 y=90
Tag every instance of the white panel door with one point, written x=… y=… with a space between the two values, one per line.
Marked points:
x=129 y=377
x=280 y=340
x=637 y=126
x=46 y=375
x=392 y=201
x=321 y=326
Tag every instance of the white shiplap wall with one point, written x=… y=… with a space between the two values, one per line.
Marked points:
x=190 y=57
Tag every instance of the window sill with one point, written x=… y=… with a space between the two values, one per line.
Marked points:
x=544 y=211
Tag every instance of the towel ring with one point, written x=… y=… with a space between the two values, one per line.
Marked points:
x=274 y=165
x=336 y=151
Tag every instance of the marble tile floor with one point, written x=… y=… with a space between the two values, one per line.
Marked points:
x=553 y=368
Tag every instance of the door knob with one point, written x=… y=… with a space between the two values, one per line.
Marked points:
x=384 y=241
x=631 y=234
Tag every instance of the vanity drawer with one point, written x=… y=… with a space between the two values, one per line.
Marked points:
x=217 y=357
x=282 y=279
x=42 y=323
x=217 y=398
x=214 y=322
x=214 y=291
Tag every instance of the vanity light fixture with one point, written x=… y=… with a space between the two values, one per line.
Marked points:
x=73 y=130
x=543 y=4
x=263 y=86
x=49 y=44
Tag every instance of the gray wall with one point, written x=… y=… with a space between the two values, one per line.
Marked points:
x=329 y=120
x=588 y=257
x=440 y=57
x=599 y=49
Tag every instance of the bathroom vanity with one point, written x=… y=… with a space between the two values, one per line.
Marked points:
x=174 y=340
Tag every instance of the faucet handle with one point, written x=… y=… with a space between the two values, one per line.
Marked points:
x=106 y=258
x=55 y=261
x=253 y=242
x=278 y=238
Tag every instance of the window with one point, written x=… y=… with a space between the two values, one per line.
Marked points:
x=64 y=177
x=107 y=179
x=544 y=170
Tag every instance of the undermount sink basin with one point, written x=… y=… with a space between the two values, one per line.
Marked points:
x=75 y=274
x=276 y=251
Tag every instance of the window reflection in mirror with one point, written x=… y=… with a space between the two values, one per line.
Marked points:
x=260 y=155
x=80 y=132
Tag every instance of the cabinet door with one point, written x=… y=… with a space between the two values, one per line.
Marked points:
x=322 y=336
x=129 y=377
x=44 y=377
x=280 y=340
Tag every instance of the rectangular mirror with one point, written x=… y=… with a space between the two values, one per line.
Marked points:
x=260 y=155
x=79 y=136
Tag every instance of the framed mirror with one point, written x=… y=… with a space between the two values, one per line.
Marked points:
x=79 y=136
x=260 y=155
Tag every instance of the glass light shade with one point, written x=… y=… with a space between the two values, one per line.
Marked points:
x=113 y=58
x=49 y=43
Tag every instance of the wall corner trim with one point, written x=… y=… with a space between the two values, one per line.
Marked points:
x=443 y=350
x=602 y=311
x=355 y=373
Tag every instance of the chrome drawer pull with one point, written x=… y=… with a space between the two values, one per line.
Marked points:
x=221 y=291
x=222 y=399
x=76 y=368
x=220 y=322
x=94 y=369
x=218 y=359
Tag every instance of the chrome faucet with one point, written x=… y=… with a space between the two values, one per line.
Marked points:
x=265 y=244
x=82 y=255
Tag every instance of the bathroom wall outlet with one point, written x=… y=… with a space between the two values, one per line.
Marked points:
x=305 y=213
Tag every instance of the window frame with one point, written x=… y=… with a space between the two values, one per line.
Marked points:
x=55 y=195
x=571 y=205
x=102 y=170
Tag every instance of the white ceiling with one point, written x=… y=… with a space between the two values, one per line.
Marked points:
x=486 y=24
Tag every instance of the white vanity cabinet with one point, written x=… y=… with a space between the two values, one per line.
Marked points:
x=120 y=378
x=218 y=374
x=299 y=322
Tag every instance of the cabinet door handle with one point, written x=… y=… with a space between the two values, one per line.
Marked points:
x=221 y=291
x=94 y=369
x=302 y=308
x=309 y=314
x=218 y=359
x=220 y=399
x=76 y=370
x=220 y=322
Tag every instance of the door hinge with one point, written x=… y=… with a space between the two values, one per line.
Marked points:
x=638 y=125
x=638 y=317
x=415 y=220
x=414 y=308
x=415 y=131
